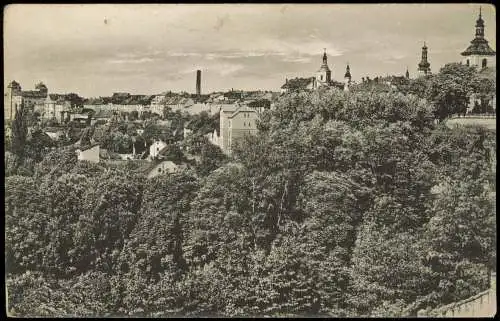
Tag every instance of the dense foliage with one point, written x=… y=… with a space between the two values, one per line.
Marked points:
x=344 y=203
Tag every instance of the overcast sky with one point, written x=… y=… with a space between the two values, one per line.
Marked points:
x=147 y=49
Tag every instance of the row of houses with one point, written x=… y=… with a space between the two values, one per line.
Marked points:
x=153 y=165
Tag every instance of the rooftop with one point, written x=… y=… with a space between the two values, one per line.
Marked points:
x=479 y=46
x=298 y=83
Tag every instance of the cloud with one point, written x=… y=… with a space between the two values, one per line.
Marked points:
x=131 y=60
x=145 y=48
x=228 y=69
x=298 y=59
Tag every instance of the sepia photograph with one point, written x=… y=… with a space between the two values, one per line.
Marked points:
x=250 y=160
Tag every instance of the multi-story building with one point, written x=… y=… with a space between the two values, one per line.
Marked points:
x=54 y=107
x=15 y=97
x=236 y=121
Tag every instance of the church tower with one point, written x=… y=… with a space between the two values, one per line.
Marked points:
x=407 y=73
x=479 y=52
x=424 y=67
x=347 y=78
x=324 y=74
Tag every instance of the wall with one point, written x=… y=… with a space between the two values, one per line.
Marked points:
x=476 y=60
x=487 y=121
x=244 y=122
x=483 y=304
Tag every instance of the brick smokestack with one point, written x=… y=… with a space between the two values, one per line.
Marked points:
x=198 y=83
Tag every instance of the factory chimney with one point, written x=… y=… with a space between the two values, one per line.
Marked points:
x=198 y=83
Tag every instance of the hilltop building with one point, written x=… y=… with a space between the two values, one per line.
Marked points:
x=424 y=67
x=479 y=52
x=15 y=97
x=321 y=78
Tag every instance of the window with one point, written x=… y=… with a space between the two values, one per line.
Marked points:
x=321 y=77
x=159 y=170
x=468 y=63
x=484 y=63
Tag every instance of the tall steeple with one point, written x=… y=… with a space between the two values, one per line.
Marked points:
x=479 y=52
x=480 y=26
x=324 y=74
x=424 y=67
x=407 y=73
x=347 y=78
x=347 y=72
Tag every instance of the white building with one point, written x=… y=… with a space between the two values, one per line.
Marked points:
x=156 y=148
x=90 y=154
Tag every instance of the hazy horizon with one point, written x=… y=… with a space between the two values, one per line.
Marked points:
x=96 y=49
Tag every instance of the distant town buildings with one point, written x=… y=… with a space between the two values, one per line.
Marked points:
x=15 y=97
x=479 y=52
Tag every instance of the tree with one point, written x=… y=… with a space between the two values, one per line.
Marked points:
x=211 y=158
x=121 y=143
x=57 y=162
x=75 y=100
x=19 y=134
x=134 y=115
x=38 y=144
x=450 y=89
x=153 y=258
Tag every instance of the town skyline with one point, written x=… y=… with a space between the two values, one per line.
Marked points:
x=95 y=50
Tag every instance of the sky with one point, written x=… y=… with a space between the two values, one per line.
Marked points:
x=97 y=49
